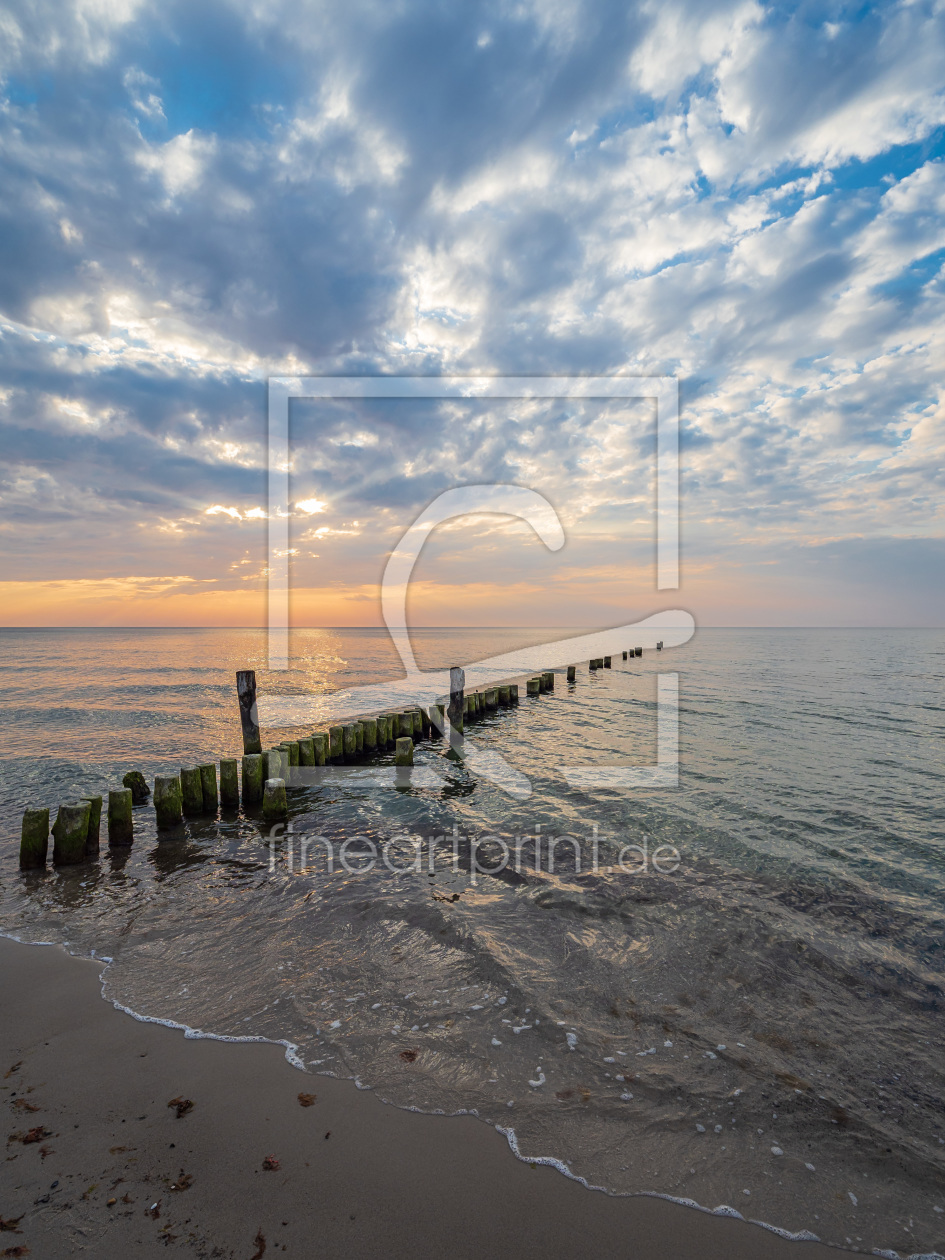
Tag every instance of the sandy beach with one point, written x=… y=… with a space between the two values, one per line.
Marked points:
x=99 y=1162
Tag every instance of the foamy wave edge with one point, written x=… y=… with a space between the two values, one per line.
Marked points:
x=549 y=1161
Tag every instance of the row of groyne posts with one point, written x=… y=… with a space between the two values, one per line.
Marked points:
x=262 y=777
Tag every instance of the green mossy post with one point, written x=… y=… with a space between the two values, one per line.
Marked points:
x=381 y=731
x=533 y=687
x=351 y=742
x=513 y=693
x=34 y=839
x=191 y=790
x=572 y=673
x=369 y=726
x=93 y=840
x=320 y=745
x=336 y=742
x=306 y=752
x=543 y=681
x=359 y=737
x=229 y=783
x=505 y=695
x=208 y=786
x=169 y=800
x=140 y=791
x=275 y=805
x=607 y=664
x=249 y=717
x=549 y=680
x=293 y=746
x=403 y=754
x=252 y=778
x=121 y=831
x=404 y=724
x=71 y=831
x=492 y=698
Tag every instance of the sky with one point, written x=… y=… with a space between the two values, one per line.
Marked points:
x=195 y=197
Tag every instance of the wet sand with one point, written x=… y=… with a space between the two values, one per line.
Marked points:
x=109 y=1169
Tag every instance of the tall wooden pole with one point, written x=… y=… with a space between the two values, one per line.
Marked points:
x=249 y=716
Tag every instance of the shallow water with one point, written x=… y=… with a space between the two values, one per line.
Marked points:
x=760 y=1028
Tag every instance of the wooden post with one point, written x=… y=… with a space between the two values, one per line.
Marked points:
x=229 y=784
x=492 y=698
x=249 y=715
x=92 y=841
x=592 y=664
x=34 y=839
x=403 y=754
x=307 y=752
x=168 y=800
x=533 y=687
x=504 y=696
x=513 y=693
x=320 y=744
x=336 y=743
x=208 y=786
x=549 y=676
x=351 y=741
x=191 y=789
x=275 y=805
x=140 y=791
x=624 y=656
x=571 y=673
x=607 y=664
x=369 y=726
x=456 y=705
x=252 y=778
x=637 y=651
x=120 y=827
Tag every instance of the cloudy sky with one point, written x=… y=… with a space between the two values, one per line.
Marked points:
x=748 y=197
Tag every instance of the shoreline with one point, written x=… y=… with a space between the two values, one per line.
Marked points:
x=356 y=1177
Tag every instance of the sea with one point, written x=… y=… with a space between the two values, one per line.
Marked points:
x=726 y=991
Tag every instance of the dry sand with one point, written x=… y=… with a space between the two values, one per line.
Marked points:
x=114 y=1172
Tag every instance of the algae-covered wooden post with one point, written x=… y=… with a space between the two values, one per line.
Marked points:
x=93 y=839
x=168 y=798
x=549 y=680
x=70 y=832
x=513 y=693
x=229 y=783
x=34 y=839
x=120 y=827
x=369 y=726
x=249 y=715
x=336 y=743
x=533 y=687
x=252 y=778
x=351 y=741
x=403 y=752
x=140 y=791
x=275 y=805
x=191 y=789
x=504 y=696
x=208 y=787
x=320 y=744
x=306 y=752
x=572 y=673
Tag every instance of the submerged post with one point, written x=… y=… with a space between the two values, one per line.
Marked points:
x=120 y=827
x=34 y=839
x=71 y=830
x=95 y=823
x=249 y=715
x=229 y=784
x=168 y=801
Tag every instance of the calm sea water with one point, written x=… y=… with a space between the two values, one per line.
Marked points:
x=760 y=1029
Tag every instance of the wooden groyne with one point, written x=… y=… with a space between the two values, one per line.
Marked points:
x=260 y=779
